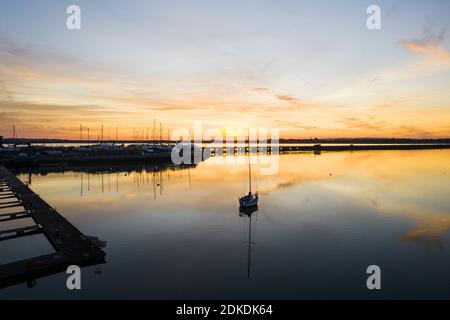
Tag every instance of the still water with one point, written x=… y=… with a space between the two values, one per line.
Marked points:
x=322 y=220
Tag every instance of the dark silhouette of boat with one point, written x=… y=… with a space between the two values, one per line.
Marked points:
x=251 y=199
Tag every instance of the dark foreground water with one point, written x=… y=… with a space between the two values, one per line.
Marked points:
x=322 y=220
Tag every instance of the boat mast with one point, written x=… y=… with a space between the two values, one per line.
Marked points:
x=249 y=166
x=153 y=133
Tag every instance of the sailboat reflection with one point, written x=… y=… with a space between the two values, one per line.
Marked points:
x=248 y=213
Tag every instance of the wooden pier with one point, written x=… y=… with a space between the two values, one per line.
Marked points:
x=286 y=149
x=71 y=246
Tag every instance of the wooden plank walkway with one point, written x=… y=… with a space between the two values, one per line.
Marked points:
x=19 y=232
x=16 y=204
x=14 y=215
x=71 y=246
x=8 y=197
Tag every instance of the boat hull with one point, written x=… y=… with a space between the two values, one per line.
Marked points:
x=248 y=201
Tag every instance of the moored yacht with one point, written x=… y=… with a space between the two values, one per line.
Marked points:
x=251 y=199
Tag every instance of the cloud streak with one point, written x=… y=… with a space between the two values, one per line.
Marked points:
x=429 y=46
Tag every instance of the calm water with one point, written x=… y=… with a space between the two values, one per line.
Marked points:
x=321 y=221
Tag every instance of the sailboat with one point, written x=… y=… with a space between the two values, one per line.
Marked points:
x=250 y=200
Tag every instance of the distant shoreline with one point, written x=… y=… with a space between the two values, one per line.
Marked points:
x=161 y=157
x=385 y=141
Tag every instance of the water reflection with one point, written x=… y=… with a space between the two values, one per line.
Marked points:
x=248 y=213
x=322 y=219
x=107 y=178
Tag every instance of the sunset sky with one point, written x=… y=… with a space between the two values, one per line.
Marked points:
x=308 y=68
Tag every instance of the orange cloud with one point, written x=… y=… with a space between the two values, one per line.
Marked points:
x=431 y=225
x=429 y=46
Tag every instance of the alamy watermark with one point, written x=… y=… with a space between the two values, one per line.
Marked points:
x=74 y=280
x=261 y=145
x=373 y=21
x=374 y=280
x=73 y=21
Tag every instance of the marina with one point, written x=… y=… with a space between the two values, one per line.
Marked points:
x=113 y=153
x=70 y=245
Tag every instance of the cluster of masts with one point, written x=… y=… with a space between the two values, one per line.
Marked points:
x=154 y=134
x=139 y=134
x=85 y=134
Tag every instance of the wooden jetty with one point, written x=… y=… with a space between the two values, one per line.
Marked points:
x=71 y=246
x=282 y=149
